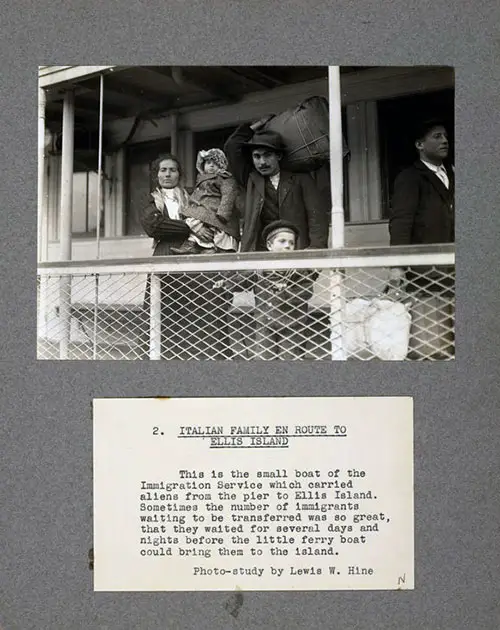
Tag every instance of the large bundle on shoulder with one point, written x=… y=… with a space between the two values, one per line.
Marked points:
x=305 y=132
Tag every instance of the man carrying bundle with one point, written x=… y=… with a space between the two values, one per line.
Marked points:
x=273 y=194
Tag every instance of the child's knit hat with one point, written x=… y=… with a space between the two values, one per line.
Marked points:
x=216 y=155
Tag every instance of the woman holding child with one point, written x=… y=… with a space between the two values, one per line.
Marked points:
x=194 y=318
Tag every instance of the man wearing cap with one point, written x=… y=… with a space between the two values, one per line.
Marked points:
x=281 y=299
x=423 y=213
x=271 y=193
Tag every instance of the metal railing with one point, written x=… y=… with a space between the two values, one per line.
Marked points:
x=310 y=305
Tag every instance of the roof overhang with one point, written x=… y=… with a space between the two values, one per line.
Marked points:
x=52 y=76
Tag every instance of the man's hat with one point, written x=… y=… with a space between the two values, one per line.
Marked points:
x=279 y=226
x=268 y=139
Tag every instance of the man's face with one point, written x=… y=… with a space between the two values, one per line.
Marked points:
x=283 y=241
x=434 y=145
x=168 y=174
x=266 y=161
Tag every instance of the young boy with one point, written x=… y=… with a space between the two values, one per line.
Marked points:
x=210 y=214
x=281 y=299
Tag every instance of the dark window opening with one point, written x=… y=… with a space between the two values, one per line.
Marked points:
x=398 y=118
x=84 y=221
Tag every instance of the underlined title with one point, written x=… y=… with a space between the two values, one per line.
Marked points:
x=259 y=436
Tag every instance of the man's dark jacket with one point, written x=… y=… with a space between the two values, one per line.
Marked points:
x=299 y=199
x=422 y=207
x=423 y=212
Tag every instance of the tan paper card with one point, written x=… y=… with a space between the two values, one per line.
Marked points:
x=217 y=494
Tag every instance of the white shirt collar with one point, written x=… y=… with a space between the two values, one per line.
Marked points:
x=440 y=172
x=275 y=179
x=434 y=167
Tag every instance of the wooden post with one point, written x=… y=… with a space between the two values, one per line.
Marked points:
x=174 y=135
x=337 y=186
x=65 y=220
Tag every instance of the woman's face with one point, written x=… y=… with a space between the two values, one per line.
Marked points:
x=168 y=174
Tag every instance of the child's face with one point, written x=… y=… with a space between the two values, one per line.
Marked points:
x=210 y=167
x=282 y=242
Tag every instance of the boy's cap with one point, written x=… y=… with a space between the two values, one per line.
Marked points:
x=279 y=226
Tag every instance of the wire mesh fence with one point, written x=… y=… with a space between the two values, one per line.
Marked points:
x=333 y=307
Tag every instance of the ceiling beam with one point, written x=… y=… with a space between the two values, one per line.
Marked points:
x=157 y=73
x=90 y=108
x=120 y=86
x=255 y=76
x=49 y=76
x=85 y=102
x=191 y=77
x=139 y=107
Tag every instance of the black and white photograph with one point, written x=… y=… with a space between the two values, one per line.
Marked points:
x=246 y=381
x=276 y=213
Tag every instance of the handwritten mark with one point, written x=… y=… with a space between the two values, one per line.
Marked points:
x=401 y=581
x=234 y=603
